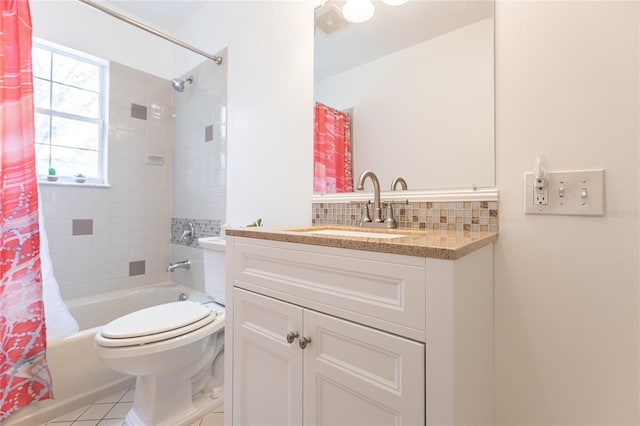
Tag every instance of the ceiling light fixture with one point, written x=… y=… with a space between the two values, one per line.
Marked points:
x=358 y=11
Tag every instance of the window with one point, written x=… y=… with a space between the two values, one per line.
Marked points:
x=70 y=99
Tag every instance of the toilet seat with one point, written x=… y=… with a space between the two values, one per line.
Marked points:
x=155 y=324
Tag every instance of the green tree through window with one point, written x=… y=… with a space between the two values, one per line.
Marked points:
x=69 y=112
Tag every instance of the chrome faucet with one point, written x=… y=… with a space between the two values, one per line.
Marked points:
x=377 y=211
x=186 y=264
x=399 y=180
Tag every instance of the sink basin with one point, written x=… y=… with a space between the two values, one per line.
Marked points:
x=348 y=233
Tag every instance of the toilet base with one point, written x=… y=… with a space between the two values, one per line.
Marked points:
x=171 y=400
x=202 y=406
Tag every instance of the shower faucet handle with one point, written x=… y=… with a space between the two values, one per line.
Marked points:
x=188 y=234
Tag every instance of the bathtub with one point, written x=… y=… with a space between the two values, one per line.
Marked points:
x=79 y=378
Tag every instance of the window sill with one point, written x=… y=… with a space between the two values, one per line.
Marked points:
x=75 y=184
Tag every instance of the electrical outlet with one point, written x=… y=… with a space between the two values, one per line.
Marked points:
x=540 y=199
x=575 y=192
x=541 y=193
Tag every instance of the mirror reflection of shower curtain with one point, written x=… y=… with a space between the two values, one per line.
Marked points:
x=333 y=169
x=24 y=376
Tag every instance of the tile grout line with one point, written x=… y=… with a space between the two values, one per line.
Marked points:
x=96 y=422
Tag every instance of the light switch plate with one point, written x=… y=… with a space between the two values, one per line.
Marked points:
x=573 y=184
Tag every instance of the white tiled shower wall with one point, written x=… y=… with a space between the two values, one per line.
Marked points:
x=199 y=161
x=131 y=218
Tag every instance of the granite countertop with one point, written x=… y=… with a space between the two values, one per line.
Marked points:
x=447 y=245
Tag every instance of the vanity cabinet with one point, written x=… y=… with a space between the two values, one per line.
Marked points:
x=390 y=339
x=342 y=373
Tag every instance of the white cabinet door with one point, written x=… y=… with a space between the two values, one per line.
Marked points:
x=356 y=375
x=349 y=374
x=267 y=370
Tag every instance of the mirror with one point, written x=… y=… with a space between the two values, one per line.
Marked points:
x=418 y=80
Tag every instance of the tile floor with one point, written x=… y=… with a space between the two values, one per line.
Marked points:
x=112 y=410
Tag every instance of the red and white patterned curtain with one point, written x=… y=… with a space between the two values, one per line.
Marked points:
x=24 y=376
x=332 y=168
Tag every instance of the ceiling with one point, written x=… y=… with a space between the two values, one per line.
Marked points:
x=390 y=29
x=167 y=15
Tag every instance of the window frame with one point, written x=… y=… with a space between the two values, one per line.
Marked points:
x=101 y=121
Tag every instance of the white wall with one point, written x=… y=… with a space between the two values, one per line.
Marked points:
x=131 y=219
x=270 y=104
x=567 y=341
x=78 y=26
x=432 y=103
x=199 y=164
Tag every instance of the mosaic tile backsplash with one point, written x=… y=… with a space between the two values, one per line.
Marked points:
x=203 y=228
x=452 y=215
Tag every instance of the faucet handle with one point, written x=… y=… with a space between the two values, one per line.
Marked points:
x=400 y=203
x=365 y=213
x=188 y=233
x=390 y=221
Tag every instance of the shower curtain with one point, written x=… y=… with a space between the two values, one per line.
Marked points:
x=332 y=168
x=24 y=376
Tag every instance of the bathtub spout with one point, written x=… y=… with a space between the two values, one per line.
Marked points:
x=181 y=264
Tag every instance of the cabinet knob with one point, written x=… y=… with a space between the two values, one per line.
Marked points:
x=291 y=336
x=304 y=341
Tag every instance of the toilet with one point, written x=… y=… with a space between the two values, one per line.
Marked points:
x=175 y=350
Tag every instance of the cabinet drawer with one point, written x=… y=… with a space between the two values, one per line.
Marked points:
x=381 y=290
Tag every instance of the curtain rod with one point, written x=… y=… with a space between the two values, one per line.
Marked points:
x=216 y=59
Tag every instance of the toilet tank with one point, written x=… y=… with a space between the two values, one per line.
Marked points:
x=213 y=256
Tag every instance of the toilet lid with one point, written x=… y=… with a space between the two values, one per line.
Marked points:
x=157 y=319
